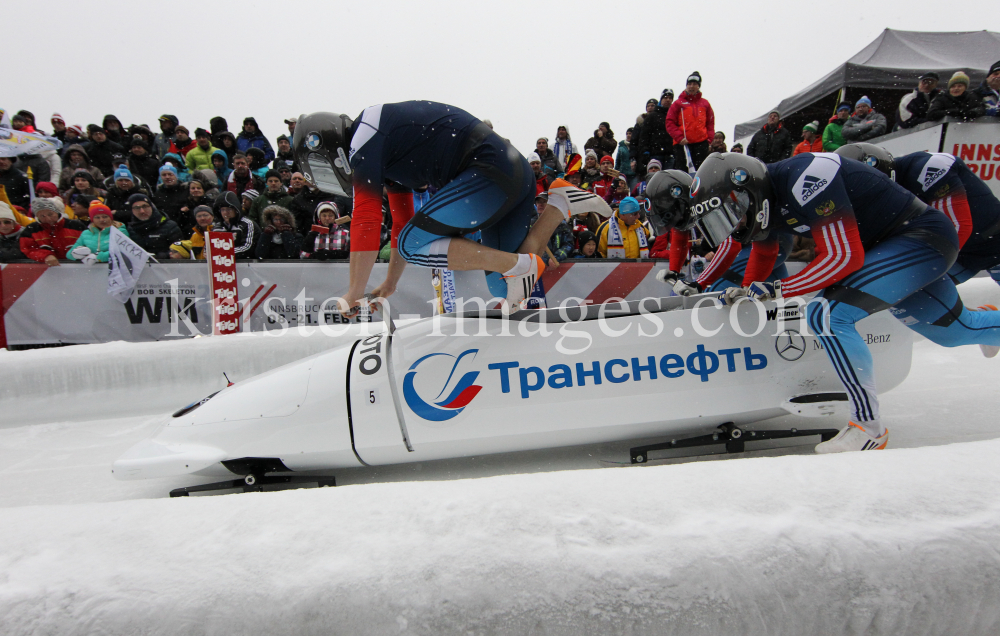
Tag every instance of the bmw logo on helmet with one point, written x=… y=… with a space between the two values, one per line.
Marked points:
x=676 y=191
x=872 y=161
x=313 y=141
x=695 y=185
x=739 y=176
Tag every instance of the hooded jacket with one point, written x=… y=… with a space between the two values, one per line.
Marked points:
x=115 y=136
x=832 y=137
x=182 y=172
x=278 y=245
x=655 y=141
x=156 y=234
x=39 y=241
x=223 y=173
x=161 y=143
x=691 y=117
x=91 y=191
x=257 y=140
x=230 y=152
x=246 y=233
x=97 y=240
x=66 y=176
x=146 y=166
x=16 y=186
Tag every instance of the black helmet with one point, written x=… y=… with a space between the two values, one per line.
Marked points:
x=875 y=156
x=668 y=196
x=321 y=145
x=731 y=195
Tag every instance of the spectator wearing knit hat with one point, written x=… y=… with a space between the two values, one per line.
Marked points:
x=229 y=217
x=958 y=101
x=811 y=141
x=605 y=183
x=247 y=199
x=590 y=172
x=546 y=156
x=989 y=90
x=200 y=156
x=10 y=235
x=58 y=126
x=101 y=149
x=94 y=242
x=542 y=180
x=913 y=106
x=252 y=137
x=327 y=239
x=182 y=142
x=603 y=142
x=51 y=234
x=832 y=139
x=738 y=148
x=654 y=141
x=83 y=183
x=124 y=187
x=171 y=197
x=865 y=123
x=640 y=125
x=639 y=189
x=274 y=194
x=48 y=190
x=691 y=123
x=772 y=142
x=285 y=153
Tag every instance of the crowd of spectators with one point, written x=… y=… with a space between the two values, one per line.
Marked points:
x=166 y=189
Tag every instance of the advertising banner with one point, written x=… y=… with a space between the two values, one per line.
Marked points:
x=978 y=145
x=221 y=259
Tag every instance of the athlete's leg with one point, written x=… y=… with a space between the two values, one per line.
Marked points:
x=937 y=313
x=893 y=270
x=541 y=232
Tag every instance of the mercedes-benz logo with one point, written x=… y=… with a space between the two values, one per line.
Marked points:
x=790 y=345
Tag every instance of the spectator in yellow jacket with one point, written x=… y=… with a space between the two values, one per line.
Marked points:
x=623 y=235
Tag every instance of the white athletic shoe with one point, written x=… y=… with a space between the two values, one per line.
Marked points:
x=519 y=287
x=990 y=351
x=572 y=200
x=853 y=438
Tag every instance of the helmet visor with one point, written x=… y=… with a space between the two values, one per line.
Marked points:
x=324 y=175
x=718 y=224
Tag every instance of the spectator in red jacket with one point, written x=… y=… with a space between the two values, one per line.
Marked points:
x=51 y=235
x=691 y=123
x=542 y=180
x=606 y=181
x=182 y=142
x=811 y=141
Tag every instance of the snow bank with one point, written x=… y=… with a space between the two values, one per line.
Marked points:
x=898 y=542
x=42 y=385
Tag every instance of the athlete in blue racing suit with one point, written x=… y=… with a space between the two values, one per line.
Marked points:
x=876 y=245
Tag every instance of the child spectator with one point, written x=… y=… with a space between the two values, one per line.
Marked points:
x=588 y=245
x=50 y=236
x=229 y=217
x=327 y=240
x=279 y=240
x=94 y=242
x=10 y=235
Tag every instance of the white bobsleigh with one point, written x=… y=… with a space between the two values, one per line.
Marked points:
x=472 y=384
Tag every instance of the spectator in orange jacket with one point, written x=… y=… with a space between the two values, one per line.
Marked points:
x=811 y=141
x=691 y=122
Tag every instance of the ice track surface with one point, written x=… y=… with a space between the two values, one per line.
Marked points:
x=905 y=541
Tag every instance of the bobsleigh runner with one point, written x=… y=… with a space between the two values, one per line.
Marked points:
x=684 y=371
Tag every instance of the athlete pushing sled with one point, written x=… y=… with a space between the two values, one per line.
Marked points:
x=478 y=219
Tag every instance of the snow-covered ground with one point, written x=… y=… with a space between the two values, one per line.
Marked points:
x=905 y=541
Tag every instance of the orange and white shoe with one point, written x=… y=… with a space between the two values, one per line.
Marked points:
x=853 y=438
x=519 y=287
x=990 y=351
x=572 y=200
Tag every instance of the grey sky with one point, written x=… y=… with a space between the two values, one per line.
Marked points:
x=527 y=66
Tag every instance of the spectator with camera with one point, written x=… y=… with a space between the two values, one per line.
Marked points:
x=83 y=183
x=603 y=142
x=51 y=235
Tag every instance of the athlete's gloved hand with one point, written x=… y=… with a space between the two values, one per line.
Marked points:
x=764 y=291
x=668 y=277
x=682 y=288
x=732 y=295
x=90 y=259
